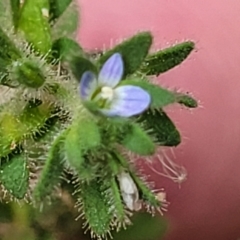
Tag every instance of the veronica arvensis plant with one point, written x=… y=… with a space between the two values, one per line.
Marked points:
x=67 y=114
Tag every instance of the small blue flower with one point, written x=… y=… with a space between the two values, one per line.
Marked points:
x=112 y=99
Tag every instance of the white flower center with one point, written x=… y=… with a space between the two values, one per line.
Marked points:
x=107 y=93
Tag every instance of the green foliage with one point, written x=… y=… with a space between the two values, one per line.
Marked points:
x=82 y=138
x=137 y=141
x=145 y=193
x=133 y=51
x=57 y=7
x=160 y=126
x=48 y=134
x=79 y=65
x=163 y=60
x=33 y=21
x=65 y=49
x=53 y=170
x=92 y=197
x=186 y=100
x=116 y=202
x=14 y=176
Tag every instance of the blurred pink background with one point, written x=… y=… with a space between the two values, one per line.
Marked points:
x=207 y=207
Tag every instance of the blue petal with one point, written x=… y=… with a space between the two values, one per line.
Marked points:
x=128 y=101
x=88 y=85
x=112 y=71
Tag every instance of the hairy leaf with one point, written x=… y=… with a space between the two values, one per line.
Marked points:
x=65 y=49
x=186 y=100
x=14 y=176
x=160 y=126
x=52 y=170
x=79 y=65
x=83 y=137
x=96 y=209
x=137 y=141
x=163 y=60
x=33 y=22
x=133 y=51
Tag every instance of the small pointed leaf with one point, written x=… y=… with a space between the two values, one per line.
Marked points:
x=145 y=192
x=79 y=65
x=160 y=126
x=137 y=141
x=52 y=171
x=133 y=51
x=161 y=61
x=83 y=136
x=65 y=49
x=96 y=209
x=116 y=202
x=186 y=100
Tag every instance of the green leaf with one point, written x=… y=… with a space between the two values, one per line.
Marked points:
x=15 y=6
x=83 y=137
x=160 y=126
x=133 y=51
x=186 y=100
x=144 y=227
x=145 y=193
x=66 y=49
x=14 y=128
x=160 y=97
x=137 y=141
x=161 y=61
x=116 y=202
x=57 y=7
x=52 y=171
x=33 y=22
x=96 y=209
x=79 y=65
x=66 y=25
x=14 y=176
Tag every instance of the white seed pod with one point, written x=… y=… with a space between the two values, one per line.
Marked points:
x=129 y=192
